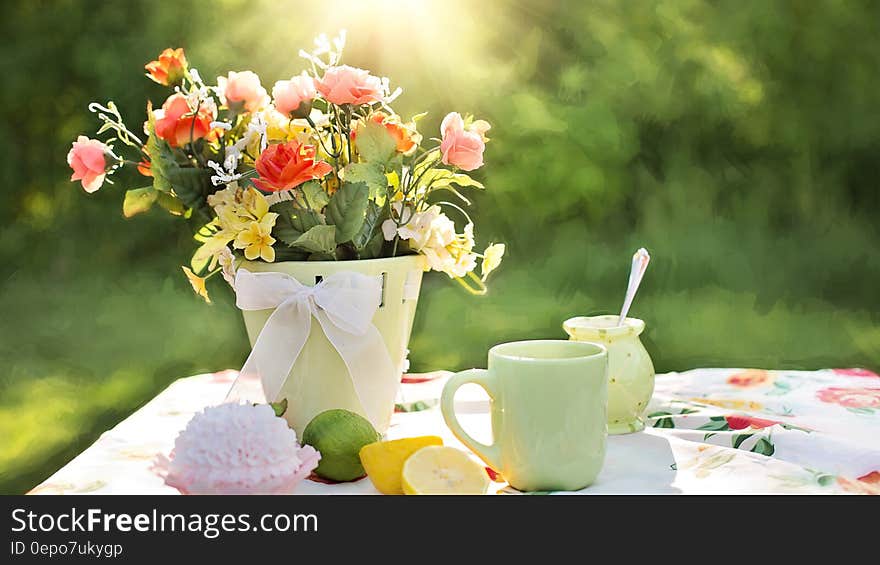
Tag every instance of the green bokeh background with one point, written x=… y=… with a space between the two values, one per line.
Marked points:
x=738 y=141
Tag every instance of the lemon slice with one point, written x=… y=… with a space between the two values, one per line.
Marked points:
x=438 y=469
x=383 y=460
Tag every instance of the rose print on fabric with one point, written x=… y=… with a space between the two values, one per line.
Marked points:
x=858 y=398
x=750 y=378
x=866 y=484
x=856 y=373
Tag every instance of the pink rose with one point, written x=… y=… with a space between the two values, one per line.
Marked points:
x=88 y=162
x=462 y=147
x=348 y=85
x=294 y=95
x=243 y=88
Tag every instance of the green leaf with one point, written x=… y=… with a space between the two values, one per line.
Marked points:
x=428 y=160
x=662 y=419
x=138 y=200
x=315 y=195
x=779 y=388
x=764 y=447
x=373 y=248
x=171 y=203
x=283 y=229
x=374 y=143
x=279 y=407
x=346 y=209
x=739 y=439
x=370 y=240
x=284 y=253
x=161 y=155
x=373 y=218
x=715 y=425
x=191 y=185
x=318 y=239
x=370 y=173
x=304 y=220
x=442 y=178
x=346 y=252
x=825 y=480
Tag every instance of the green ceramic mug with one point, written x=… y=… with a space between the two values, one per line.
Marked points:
x=548 y=409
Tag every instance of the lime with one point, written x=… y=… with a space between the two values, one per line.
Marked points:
x=443 y=470
x=384 y=460
x=339 y=435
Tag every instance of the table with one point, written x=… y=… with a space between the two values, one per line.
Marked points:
x=710 y=431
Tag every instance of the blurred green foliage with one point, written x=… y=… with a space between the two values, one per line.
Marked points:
x=738 y=141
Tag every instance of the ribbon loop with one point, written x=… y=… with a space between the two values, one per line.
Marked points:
x=344 y=305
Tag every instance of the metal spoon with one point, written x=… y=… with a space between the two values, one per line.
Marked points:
x=639 y=264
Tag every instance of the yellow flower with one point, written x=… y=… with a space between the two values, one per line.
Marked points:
x=492 y=258
x=198 y=283
x=255 y=204
x=277 y=125
x=256 y=242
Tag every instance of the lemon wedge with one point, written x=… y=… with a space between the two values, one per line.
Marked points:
x=438 y=469
x=383 y=460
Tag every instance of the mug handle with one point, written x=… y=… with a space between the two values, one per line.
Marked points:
x=491 y=454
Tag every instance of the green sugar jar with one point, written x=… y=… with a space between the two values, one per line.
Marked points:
x=630 y=370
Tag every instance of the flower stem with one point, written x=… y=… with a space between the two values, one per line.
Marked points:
x=481 y=288
x=320 y=140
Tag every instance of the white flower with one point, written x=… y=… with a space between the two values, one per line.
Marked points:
x=227 y=264
x=430 y=228
x=432 y=234
x=389 y=229
x=223 y=176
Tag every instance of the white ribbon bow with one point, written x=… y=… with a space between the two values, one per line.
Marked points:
x=344 y=305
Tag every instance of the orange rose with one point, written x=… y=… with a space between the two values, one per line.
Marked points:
x=286 y=165
x=405 y=137
x=176 y=123
x=169 y=68
x=750 y=378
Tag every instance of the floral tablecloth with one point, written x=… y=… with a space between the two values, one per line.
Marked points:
x=711 y=431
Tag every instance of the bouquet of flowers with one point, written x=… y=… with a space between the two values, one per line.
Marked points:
x=323 y=169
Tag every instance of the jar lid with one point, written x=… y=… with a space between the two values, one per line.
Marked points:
x=602 y=327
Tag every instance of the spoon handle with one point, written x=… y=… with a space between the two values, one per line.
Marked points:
x=639 y=264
